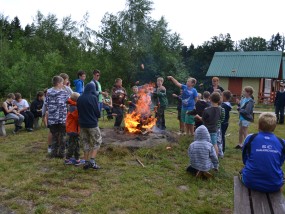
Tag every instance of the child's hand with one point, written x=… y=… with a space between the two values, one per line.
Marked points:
x=174 y=95
x=170 y=77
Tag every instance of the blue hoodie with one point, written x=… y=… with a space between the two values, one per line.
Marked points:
x=87 y=106
x=79 y=86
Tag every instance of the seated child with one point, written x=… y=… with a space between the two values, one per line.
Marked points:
x=107 y=104
x=36 y=107
x=72 y=130
x=263 y=156
x=202 y=154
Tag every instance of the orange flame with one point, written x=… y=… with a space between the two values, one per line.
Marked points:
x=141 y=117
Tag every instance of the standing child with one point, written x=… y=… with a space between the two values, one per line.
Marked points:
x=179 y=107
x=245 y=114
x=279 y=104
x=11 y=112
x=24 y=109
x=189 y=98
x=66 y=83
x=211 y=117
x=202 y=154
x=226 y=105
x=134 y=99
x=79 y=83
x=57 y=110
x=90 y=135
x=161 y=101
x=119 y=95
x=72 y=130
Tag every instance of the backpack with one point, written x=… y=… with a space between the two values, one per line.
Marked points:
x=247 y=148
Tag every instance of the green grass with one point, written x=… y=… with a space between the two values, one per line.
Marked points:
x=33 y=183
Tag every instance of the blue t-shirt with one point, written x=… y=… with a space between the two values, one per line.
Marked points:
x=188 y=97
x=262 y=170
x=242 y=102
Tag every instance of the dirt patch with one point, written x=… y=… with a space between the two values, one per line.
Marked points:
x=183 y=188
x=5 y=210
x=34 y=147
x=150 y=139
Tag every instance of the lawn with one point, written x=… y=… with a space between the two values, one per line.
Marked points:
x=33 y=183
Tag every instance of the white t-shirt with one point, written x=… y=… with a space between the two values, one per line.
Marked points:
x=22 y=104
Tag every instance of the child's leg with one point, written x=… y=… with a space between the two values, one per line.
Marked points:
x=119 y=118
x=224 y=128
x=182 y=126
x=77 y=148
x=54 y=141
x=214 y=142
x=71 y=146
x=245 y=132
x=62 y=143
x=240 y=135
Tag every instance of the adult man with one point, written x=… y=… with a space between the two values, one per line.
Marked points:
x=98 y=88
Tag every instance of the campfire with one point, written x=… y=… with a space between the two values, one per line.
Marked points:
x=141 y=119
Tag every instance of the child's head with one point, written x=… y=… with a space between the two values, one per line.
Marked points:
x=248 y=91
x=74 y=96
x=40 y=95
x=199 y=96
x=65 y=78
x=215 y=81
x=191 y=82
x=96 y=74
x=57 y=81
x=81 y=75
x=159 y=81
x=206 y=95
x=267 y=122
x=18 y=96
x=227 y=95
x=11 y=96
x=215 y=97
x=118 y=82
x=135 y=89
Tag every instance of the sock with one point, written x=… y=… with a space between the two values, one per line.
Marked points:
x=92 y=160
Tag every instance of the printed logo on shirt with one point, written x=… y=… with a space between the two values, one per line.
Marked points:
x=267 y=148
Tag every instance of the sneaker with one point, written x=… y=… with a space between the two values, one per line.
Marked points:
x=29 y=129
x=94 y=166
x=49 y=149
x=207 y=175
x=86 y=165
x=79 y=162
x=68 y=162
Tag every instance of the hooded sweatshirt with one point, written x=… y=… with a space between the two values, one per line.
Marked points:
x=87 y=106
x=201 y=152
x=72 y=126
x=56 y=106
x=228 y=107
x=79 y=86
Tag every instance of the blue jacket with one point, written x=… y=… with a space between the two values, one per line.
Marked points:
x=262 y=170
x=79 y=86
x=87 y=106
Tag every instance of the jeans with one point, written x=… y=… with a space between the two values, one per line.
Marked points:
x=160 y=123
x=224 y=128
x=120 y=115
x=279 y=111
x=18 y=118
x=29 y=119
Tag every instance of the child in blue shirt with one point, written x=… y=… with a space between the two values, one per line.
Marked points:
x=189 y=98
x=263 y=157
x=79 y=83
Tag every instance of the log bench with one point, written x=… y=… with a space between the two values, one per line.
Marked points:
x=248 y=201
x=3 y=122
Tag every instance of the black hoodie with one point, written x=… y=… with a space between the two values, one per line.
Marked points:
x=87 y=106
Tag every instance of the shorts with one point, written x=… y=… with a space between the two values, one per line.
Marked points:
x=187 y=118
x=214 y=138
x=244 y=123
x=90 y=138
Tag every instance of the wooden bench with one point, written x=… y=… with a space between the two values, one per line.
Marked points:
x=3 y=122
x=248 y=201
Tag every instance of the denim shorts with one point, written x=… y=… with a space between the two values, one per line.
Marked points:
x=214 y=138
x=244 y=123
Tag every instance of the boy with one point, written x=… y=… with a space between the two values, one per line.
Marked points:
x=211 y=117
x=57 y=110
x=72 y=130
x=36 y=107
x=226 y=105
x=263 y=156
x=134 y=99
x=179 y=107
x=119 y=95
x=79 y=83
x=107 y=104
x=202 y=154
x=161 y=101
x=11 y=112
x=24 y=109
x=245 y=114
x=90 y=135
x=279 y=104
x=189 y=98
x=66 y=83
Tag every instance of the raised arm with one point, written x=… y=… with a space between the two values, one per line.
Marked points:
x=178 y=84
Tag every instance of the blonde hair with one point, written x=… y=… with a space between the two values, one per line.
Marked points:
x=192 y=80
x=215 y=79
x=267 y=122
x=74 y=96
x=249 y=89
x=160 y=79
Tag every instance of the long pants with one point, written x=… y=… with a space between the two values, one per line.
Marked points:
x=120 y=114
x=224 y=128
x=160 y=123
x=279 y=111
x=18 y=118
x=58 y=144
x=73 y=147
x=29 y=119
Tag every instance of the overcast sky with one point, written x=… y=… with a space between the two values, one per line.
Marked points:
x=195 y=20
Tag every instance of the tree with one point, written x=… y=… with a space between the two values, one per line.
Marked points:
x=252 y=44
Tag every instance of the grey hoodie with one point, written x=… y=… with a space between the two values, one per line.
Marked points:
x=201 y=152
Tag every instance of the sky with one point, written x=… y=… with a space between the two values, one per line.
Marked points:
x=195 y=21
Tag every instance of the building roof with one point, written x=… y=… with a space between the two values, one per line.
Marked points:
x=258 y=64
